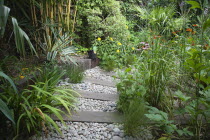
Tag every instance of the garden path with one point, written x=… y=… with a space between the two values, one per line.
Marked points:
x=96 y=117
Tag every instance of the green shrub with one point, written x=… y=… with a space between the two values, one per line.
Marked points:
x=100 y=19
x=130 y=87
x=108 y=62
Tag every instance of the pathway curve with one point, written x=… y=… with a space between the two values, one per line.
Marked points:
x=96 y=117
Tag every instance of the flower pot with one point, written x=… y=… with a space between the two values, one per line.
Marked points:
x=94 y=58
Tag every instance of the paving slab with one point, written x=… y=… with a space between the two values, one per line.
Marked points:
x=94 y=116
x=99 y=82
x=98 y=96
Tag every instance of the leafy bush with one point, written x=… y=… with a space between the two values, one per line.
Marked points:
x=130 y=87
x=109 y=62
x=161 y=120
x=100 y=19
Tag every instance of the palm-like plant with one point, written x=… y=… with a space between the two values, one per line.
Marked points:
x=162 y=19
x=57 y=44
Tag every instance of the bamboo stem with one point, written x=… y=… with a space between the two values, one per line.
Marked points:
x=69 y=15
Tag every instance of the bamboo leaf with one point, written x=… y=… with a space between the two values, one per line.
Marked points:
x=18 y=122
x=28 y=113
x=55 y=111
x=48 y=119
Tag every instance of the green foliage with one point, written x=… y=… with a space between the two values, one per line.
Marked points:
x=6 y=111
x=131 y=86
x=198 y=65
x=162 y=20
x=194 y=4
x=206 y=24
x=74 y=73
x=4 y=13
x=50 y=73
x=134 y=118
x=34 y=106
x=20 y=35
x=41 y=101
x=198 y=109
x=162 y=121
x=100 y=19
x=10 y=81
x=56 y=44
x=109 y=62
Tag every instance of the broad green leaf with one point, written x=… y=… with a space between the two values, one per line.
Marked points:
x=194 y=4
x=6 y=111
x=181 y=96
x=154 y=117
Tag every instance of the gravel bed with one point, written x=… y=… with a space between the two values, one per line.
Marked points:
x=94 y=88
x=91 y=131
x=98 y=73
x=96 y=105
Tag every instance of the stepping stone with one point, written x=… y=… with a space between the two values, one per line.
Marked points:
x=99 y=82
x=93 y=116
x=98 y=96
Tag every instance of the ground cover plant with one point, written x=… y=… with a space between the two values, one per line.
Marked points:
x=161 y=49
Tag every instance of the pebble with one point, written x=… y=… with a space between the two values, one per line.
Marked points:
x=116 y=138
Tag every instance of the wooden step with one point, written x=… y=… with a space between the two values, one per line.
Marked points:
x=99 y=82
x=98 y=96
x=93 y=116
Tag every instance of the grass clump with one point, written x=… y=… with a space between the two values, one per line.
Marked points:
x=74 y=73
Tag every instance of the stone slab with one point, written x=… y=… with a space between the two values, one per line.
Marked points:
x=94 y=116
x=98 y=96
x=99 y=82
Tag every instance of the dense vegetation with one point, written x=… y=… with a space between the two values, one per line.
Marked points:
x=161 y=47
